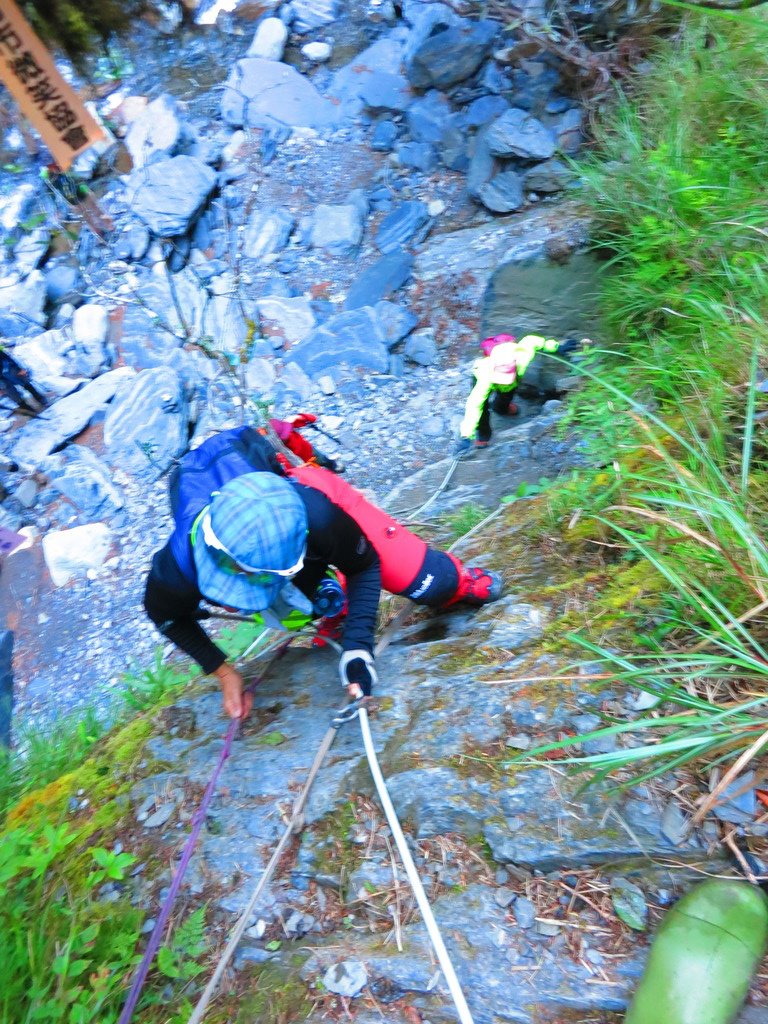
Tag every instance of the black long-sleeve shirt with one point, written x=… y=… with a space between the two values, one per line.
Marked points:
x=333 y=539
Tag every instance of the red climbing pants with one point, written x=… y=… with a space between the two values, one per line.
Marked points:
x=409 y=566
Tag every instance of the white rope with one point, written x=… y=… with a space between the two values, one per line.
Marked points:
x=294 y=825
x=413 y=876
x=438 y=492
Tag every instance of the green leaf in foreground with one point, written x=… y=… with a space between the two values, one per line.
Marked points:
x=629 y=903
x=273 y=739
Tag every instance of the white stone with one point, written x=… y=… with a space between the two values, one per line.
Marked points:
x=89 y=325
x=15 y=205
x=317 y=52
x=291 y=319
x=26 y=297
x=43 y=357
x=71 y=553
x=26 y=492
x=435 y=208
x=337 y=228
x=347 y=978
x=236 y=141
x=269 y=40
x=157 y=129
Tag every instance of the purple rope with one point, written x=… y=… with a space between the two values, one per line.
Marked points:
x=165 y=911
x=197 y=823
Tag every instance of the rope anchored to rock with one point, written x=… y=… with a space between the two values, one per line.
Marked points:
x=357 y=710
x=295 y=823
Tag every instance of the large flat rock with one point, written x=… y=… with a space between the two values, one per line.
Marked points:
x=504 y=977
x=67 y=417
x=482 y=249
x=263 y=93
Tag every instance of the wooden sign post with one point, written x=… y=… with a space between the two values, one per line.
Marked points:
x=43 y=96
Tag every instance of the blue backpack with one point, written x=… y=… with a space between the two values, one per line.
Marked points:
x=206 y=469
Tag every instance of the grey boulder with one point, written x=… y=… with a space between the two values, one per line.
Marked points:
x=266 y=232
x=263 y=93
x=374 y=79
x=482 y=163
x=421 y=347
x=143 y=342
x=47 y=358
x=356 y=337
x=502 y=194
x=401 y=225
x=428 y=117
x=419 y=155
x=396 y=322
x=381 y=279
x=337 y=229
x=451 y=54
x=517 y=133
x=67 y=417
x=569 y=132
x=550 y=176
x=167 y=196
x=385 y=90
x=146 y=425
x=82 y=478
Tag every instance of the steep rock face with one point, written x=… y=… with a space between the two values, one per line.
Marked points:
x=504 y=847
x=456 y=704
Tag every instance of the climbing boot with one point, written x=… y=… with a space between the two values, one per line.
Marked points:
x=478 y=586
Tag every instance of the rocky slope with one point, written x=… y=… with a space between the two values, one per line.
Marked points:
x=249 y=255
x=336 y=242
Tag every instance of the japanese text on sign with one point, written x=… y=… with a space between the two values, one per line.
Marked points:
x=45 y=98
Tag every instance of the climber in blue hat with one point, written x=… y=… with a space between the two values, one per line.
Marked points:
x=254 y=533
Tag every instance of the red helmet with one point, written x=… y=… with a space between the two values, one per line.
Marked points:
x=489 y=344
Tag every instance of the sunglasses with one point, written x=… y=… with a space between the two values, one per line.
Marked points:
x=213 y=542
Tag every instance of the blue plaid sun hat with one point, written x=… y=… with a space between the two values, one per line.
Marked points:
x=249 y=541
